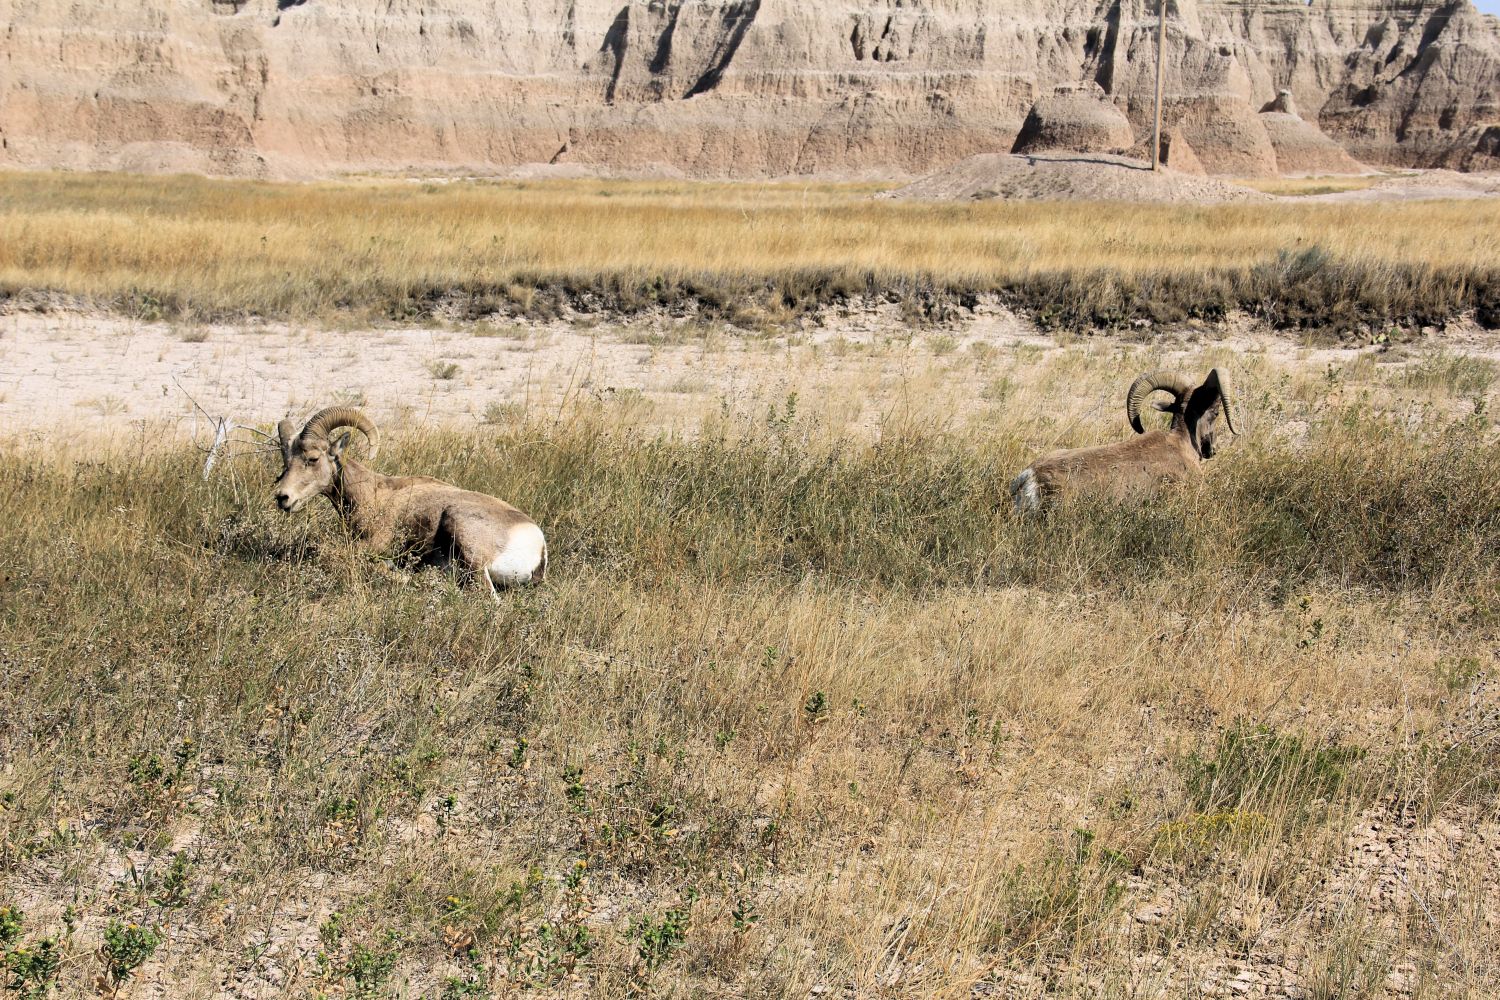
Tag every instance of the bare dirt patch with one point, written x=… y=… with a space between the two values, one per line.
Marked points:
x=1422 y=185
x=82 y=373
x=1071 y=177
x=1103 y=177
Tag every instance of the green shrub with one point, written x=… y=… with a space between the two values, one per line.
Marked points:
x=1255 y=769
x=1198 y=836
x=12 y=921
x=658 y=938
x=126 y=948
x=33 y=969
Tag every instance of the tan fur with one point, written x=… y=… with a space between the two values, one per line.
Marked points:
x=436 y=522
x=1138 y=465
x=1135 y=466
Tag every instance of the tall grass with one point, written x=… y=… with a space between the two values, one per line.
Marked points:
x=792 y=713
x=802 y=709
x=750 y=253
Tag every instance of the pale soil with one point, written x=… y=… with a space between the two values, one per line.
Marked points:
x=1424 y=185
x=1071 y=177
x=1389 y=870
x=1045 y=176
x=79 y=374
x=1060 y=176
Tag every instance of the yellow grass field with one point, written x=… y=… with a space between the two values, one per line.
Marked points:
x=204 y=247
x=803 y=709
x=1302 y=187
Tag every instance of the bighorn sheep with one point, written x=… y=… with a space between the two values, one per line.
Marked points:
x=441 y=524
x=1139 y=463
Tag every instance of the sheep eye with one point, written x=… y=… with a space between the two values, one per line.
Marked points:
x=312 y=460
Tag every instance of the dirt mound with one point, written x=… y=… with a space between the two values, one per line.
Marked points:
x=1285 y=103
x=1070 y=177
x=1228 y=137
x=1176 y=153
x=1077 y=119
x=1301 y=147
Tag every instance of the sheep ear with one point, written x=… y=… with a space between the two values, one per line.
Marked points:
x=286 y=433
x=1203 y=407
x=338 y=444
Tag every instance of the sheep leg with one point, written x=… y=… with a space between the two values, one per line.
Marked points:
x=456 y=549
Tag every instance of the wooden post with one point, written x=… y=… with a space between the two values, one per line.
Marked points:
x=1161 y=45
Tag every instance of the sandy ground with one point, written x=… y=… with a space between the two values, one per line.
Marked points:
x=1422 y=185
x=1070 y=177
x=77 y=375
x=1102 y=177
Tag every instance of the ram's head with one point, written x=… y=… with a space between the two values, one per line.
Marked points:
x=313 y=457
x=1194 y=409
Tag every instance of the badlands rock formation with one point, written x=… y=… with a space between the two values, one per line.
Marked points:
x=718 y=87
x=1300 y=147
x=1079 y=119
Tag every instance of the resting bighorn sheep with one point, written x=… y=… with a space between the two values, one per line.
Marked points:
x=1142 y=462
x=439 y=523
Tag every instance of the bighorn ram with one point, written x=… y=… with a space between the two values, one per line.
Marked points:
x=1139 y=463
x=439 y=523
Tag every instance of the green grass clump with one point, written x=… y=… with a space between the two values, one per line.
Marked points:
x=1258 y=768
x=1201 y=833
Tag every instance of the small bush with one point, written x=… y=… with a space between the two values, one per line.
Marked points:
x=33 y=969
x=368 y=969
x=12 y=921
x=1198 y=836
x=658 y=938
x=126 y=948
x=1460 y=375
x=1255 y=769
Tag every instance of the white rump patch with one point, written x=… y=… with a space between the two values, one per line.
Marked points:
x=522 y=556
x=1023 y=491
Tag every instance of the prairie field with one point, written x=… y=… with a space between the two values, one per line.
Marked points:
x=754 y=254
x=803 y=709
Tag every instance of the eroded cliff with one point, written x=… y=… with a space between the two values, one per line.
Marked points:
x=717 y=87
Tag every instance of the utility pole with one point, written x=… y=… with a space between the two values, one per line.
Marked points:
x=1161 y=46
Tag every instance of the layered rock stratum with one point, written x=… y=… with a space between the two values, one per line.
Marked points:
x=1080 y=119
x=723 y=87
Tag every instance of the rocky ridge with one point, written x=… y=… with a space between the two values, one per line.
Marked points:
x=722 y=87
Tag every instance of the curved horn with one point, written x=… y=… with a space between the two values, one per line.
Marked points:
x=1147 y=384
x=1224 y=408
x=334 y=417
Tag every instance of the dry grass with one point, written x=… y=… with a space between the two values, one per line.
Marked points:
x=750 y=253
x=1301 y=187
x=798 y=713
